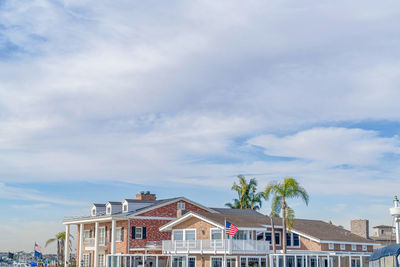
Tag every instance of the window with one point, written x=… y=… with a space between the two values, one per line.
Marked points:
x=139 y=233
x=86 y=260
x=108 y=210
x=178 y=261
x=192 y=262
x=216 y=262
x=364 y=247
x=277 y=238
x=216 y=237
x=331 y=246
x=190 y=234
x=177 y=235
x=292 y=240
x=101 y=260
x=102 y=236
x=87 y=234
x=125 y=208
x=231 y=262
x=382 y=231
x=342 y=247
x=94 y=212
x=353 y=247
x=241 y=235
x=181 y=206
x=119 y=234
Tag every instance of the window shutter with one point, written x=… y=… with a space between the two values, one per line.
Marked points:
x=144 y=232
x=105 y=235
x=110 y=235
x=133 y=232
x=122 y=234
x=90 y=234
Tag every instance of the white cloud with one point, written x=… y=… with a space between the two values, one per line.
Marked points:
x=333 y=146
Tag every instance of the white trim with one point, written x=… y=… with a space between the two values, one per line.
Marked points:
x=348 y=243
x=270 y=226
x=251 y=228
x=141 y=227
x=105 y=236
x=353 y=247
x=331 y=246
x=342 y=246
x=308 y=236
x=364 y=247
x=91 y=219
x=116 y=229
x=152 y=218
x=168 y=226
x=280 y=237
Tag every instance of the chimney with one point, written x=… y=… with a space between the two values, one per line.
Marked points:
x=360 y=227
x=146 y=196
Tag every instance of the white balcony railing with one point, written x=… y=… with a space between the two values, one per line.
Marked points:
x=88 y=242
x=215 y=246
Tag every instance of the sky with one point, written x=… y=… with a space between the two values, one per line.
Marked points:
x=100 y=100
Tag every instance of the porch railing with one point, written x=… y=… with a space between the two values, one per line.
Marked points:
x=215 y=246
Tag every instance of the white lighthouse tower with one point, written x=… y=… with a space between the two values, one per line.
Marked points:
x=395 y=212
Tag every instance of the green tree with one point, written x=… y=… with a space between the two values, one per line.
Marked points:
x=280 y=193
x=247 y=195
x=60 y=239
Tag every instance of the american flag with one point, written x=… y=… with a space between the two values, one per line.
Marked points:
x=230 y=229
x=37 y=247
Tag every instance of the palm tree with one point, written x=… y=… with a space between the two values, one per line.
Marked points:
x=248 y=198
x=60 y=238
x=280 y=193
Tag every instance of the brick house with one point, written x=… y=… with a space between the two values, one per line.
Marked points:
x=127 y=227
x=178 y=232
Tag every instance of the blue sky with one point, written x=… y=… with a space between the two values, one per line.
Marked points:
x=101 y=100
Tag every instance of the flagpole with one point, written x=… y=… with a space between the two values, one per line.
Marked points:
x=223 y=236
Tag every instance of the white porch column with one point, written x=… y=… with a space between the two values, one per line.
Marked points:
x=329 y=262
x=113 y=225
x=361 y=261
x=80 y=245
x=340 y=264
x=67 y=252
x=349 y=260
x=96 y=244
x=295 y=260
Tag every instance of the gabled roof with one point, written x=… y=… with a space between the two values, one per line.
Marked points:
x=114 y=203
x=316 y=230
x=99 y=205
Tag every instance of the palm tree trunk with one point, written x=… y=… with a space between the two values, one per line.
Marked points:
x=284 y=230
x=273 y=235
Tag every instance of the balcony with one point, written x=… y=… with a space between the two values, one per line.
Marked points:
x=89 y=243
x=216 y=246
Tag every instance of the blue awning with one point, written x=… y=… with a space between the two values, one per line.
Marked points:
x=391 y=250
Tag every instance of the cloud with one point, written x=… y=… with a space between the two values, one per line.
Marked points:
x=11 y=192
x=333 y=146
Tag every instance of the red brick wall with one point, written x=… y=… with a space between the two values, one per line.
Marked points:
x=152 y=232
x=171 y=209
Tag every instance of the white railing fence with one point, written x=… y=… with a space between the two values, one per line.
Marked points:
x=220 y=246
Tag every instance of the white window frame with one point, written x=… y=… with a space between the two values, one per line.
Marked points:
x=141 y=233
x=118 y=238
x=101 y=260
x=364 y=248
x=292 y=241
x=94 y=211
x=86 y=235
x=125 y=207
x=217 y=243
x=108 y=210
x=181 y=206
x=84 y=257
x=331 y=246
x=216 y=257
x=103 y=228
x=232 y=257
x=280 y=237
x=353 y=247
x=182 y=243
x=342 y=246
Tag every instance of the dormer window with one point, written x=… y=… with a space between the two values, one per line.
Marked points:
x=181 y=205
x=108 y=210
x=94 y=212
x=125 y=208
